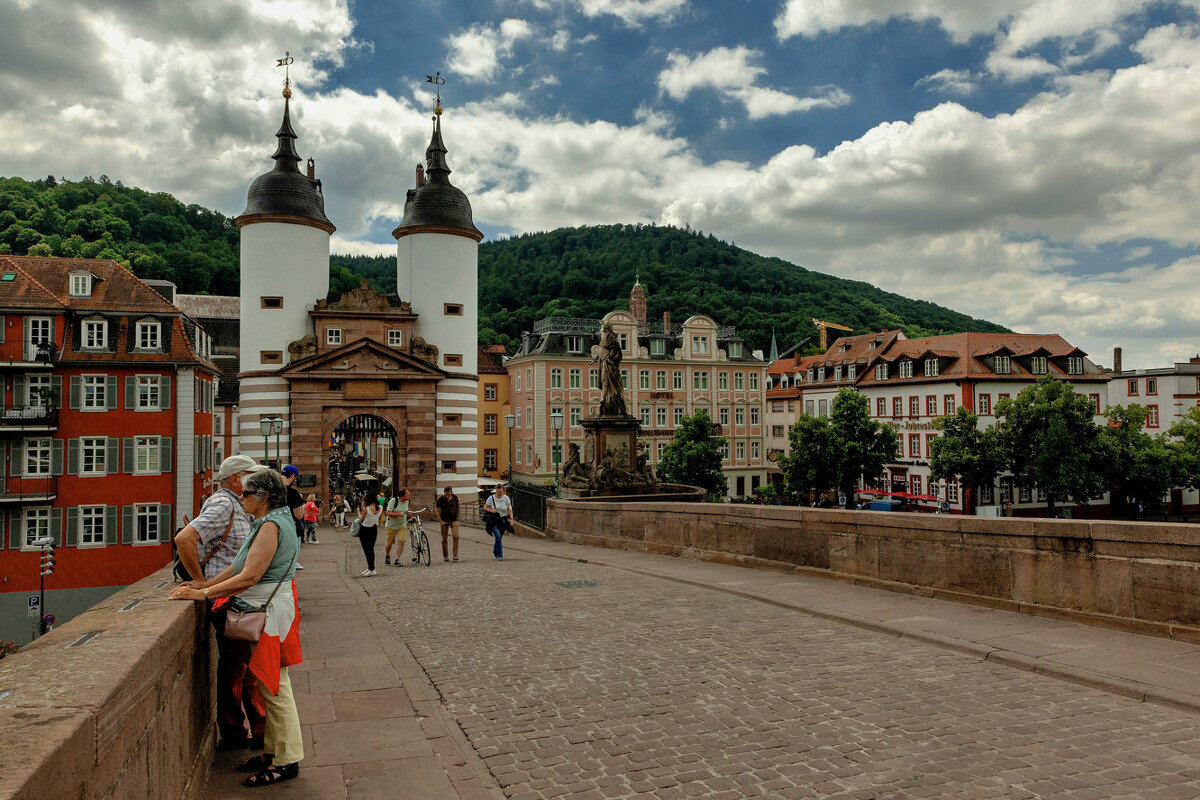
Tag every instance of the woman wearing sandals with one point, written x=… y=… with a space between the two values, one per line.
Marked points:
x=368 y=517
x=262 y=572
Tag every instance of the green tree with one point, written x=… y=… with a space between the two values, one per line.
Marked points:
x=810 y=466
x=1139 y=467
x=1050 y=441
x=1187 y=432
x=693 y=456
x=965 y=453
x=864 y=445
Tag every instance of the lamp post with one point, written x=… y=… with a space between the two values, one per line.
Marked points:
x=556 y=422
x=277 y=426
x=509 y=421
x=265 y=425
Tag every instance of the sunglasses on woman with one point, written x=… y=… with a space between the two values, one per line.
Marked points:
x=251 y=492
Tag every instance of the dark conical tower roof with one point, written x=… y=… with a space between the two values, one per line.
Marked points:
x=436 y=202
x=285 y=191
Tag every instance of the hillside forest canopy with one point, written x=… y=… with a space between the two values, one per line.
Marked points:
x=569 y=272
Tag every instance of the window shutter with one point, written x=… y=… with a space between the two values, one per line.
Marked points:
x=126 y=524
x=73 y=465
x=19 y=398
x=165 y=533
x=56 y=526
x=110 y=525
x=111 y=466
x=56 y=457
x=1 y=333
x=164 y=455
x=56 y=389
x=164 y=392
x=18 y=459
x=16 y=531
x=73 y=526
x=130 y=391
x=110 y=391
x=127 y=467
x=76 y=391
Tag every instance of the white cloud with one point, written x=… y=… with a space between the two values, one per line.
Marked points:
x=952 y=81
x=732 y=72
x=476 y=53
x=630 y=12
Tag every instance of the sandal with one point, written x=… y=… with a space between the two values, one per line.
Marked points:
x=256 y=763
x=274 y=775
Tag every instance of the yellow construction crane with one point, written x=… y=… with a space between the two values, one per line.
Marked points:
x=822 y=325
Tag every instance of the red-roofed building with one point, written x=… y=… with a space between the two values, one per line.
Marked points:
x=107 y=430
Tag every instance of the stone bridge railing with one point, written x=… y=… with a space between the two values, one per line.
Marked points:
x=116 y=704
x=1136 y=576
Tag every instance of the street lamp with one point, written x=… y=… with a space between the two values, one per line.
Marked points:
x=510 y=420
x=556 y=422
x=265 y=425
x=277 y=426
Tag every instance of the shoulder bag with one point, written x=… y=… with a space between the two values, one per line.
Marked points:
x=180 y=571
x=356 y=527
x=247 y=626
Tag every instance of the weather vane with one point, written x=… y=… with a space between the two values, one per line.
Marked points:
x=437 y=80
x=286 y=62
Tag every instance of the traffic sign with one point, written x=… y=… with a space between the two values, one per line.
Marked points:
x=49 y=620
x=34 y=601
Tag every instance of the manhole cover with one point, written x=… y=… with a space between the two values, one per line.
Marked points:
x=576 y=584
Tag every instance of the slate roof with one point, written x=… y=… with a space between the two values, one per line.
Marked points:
x=285 y=190
x=436 y=202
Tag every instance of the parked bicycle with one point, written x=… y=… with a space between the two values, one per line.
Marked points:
x=417 y=535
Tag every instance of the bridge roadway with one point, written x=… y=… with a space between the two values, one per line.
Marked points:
x=584 y=673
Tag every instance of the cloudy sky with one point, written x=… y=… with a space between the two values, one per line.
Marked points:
x=1032 y=162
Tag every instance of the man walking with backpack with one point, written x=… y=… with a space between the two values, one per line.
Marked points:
x=395 y=518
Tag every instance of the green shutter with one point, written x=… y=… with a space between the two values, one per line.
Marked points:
x=73 y=465
x=56 y=457
x=164 y=392
x=76 y=391
x=56 y=526
x=110 y=392
x=165 y=532
x=130 y=391
x=111 y=467
x=110 y=525
x=164 y=455
x=56 y=390
x=15 y=531
x=17 y=462
x=127 y=467
x=19 y=398
x=73 y=526
x=126 y=524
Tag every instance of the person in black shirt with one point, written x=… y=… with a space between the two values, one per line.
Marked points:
x=295 y=500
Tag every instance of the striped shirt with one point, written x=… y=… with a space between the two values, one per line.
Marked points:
x=211 y=523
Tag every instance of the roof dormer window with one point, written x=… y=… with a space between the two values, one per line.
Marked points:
x=149 y=335
x=80 y=284
x=735 y=349
x=1003 y=365
x=95 y=334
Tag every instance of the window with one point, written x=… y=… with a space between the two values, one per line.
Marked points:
x=395 y=338
x=914 y=445
x=741 y=451
x=820 y=374
x=753 y=415
x=739 y=416
x=37 y=525
x=490 y=423
x=145 y=456
x=449 y=466
x=722 y=380
x=677 y=379
x=452 y=359
x=823 y=408
x=850 y=372
x=149 y=393
x=678 y=415
x=914 y=405
x=91 y=525
x=271 y=302
x=575 y=417
x=985 y=404
x=1095 y=403
x=624 y=379
x=1074 y=365
x=1151 y=416
x=837 y=373
x=93 y=456
x=777 y=406
x=931 y=368
x=662 y=446
x=575 y=378
x=145 y=523
x=881 y=372
x=660 y=417
x=1151 y=386
x=810 y=375
x=490 y=391
x=529 y=378
x=735 y=349
x=948 y=407
x=37 y=392
x=95 y=394
x=660 y=379
x=1037 y=365
x=81 y=285
x=95 y=334
x=489 y=460
x=452 y=310
x=644 y=379
x=37 y=457
x=556 y=376
x=1002 y=365
x=777 y=431
x=914 y=483
x=518 y=452
x=952 y=491
x=520 y=418
x=574 y=344
x=1023 y=494
x=658 y=347
x=529 y=453
x=810 y=408
x=1005 y=490
x=270 y=356
x=645 y=417
x=755 y=450
x=1133 y=387
x=897 y=406
x=725 y=450
x=931 y=405
x=518 y=381
x=624 y=337
x=906 y=369
x=738 y=378
x=881 y=406
x=149 y=335
x=987 y=495
x=528 y=416
x=929 y=439
x=593 y=379
x=333 y=336
x=699 y=380
x=700 y=345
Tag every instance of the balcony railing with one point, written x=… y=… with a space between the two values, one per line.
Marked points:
x=28 y=418
x=592 y=327
x=28 y=488
x=27 y=351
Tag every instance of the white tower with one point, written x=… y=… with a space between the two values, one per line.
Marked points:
x=284 y=271
x=437 y=270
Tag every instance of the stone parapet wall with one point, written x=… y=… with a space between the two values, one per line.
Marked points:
x=126 y=715
x=1136 y=576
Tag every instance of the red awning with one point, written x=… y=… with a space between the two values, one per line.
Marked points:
x=931 y=497
x=872 y=491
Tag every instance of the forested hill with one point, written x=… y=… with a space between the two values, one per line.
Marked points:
x=573 y=272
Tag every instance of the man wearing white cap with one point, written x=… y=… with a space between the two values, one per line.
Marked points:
x=206 y=546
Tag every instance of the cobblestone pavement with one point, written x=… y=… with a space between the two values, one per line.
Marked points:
x=580 y=681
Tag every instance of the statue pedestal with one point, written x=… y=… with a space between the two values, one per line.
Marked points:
x=615 y=437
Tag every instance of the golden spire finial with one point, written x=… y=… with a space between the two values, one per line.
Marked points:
x=286 y=62
x=437 y=80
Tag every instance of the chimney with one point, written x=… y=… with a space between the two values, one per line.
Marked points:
x=1116 y=359
x=666 y=323
x=312 y=169
x=420 y=175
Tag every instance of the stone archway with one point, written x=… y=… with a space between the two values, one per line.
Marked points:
x=363 y=443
